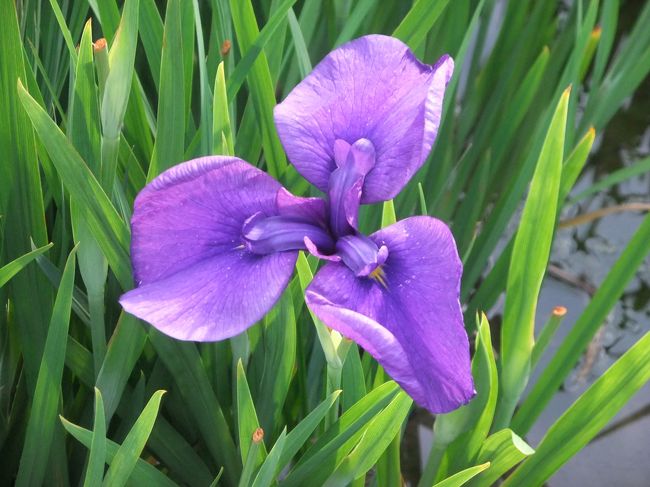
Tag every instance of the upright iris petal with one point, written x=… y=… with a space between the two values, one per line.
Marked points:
x=353 y=163
x=372 y=88
x=196 y=276
x=407 y=314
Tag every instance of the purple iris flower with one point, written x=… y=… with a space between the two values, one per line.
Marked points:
x=215 y=240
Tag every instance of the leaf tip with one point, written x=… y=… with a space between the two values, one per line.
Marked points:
x=559 y=311
x=596 y=33
x=225 y=48
x=258 y=435
x=99 y=45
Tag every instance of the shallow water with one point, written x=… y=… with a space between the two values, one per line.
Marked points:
x=618 y=456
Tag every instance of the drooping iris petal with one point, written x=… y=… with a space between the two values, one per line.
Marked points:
x=371 y=88
x=410 y=320
x=196 y=279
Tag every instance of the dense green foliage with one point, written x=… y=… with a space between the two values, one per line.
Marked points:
x=85 y=124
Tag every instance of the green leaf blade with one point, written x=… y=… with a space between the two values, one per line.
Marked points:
x=461 y=478
x=128 y=454
x=15 y=266
x=587 y=416
x=97 y=455
x=42 y=419
x=169 y=147
x=584 y=329
x=528 y=264
x=260 y=85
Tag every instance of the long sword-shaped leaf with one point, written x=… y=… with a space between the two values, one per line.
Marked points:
x=151 y=33
x=301 y=433
x=15 y=266
x=460 y=434
x=97 y=455
x=641 y=166
x=302 y=54
x=222 y=142
x=247 y=421
x=117 y=89
x=274 y=357
x=323 y=457
x=419 y=21
x=205 y=123
x=587 y=416
x=260 y=85
x=124 y=349
x=184 y=363
x=42 y=419
x=494 y=284
x=358 y=14
x=142 y=474
x=377 y=437
x=461 y=478
x=21 y=197
x=584 y=329
x=326 y=337
x=128 y=454
x=245 y=65
x=269 y=469
x=528 y=265
x=84 y=133
x=60 y=19
x=105 y=223
x=504 y=449
x=170 y=129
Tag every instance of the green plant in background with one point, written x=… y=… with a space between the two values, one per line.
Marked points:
x=86 y=123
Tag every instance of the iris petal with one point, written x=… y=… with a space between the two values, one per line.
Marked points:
x=312 y=209
x=346 y=183
x=266 y=235
x=371 y=88
x=195 y=278
x=413 y=324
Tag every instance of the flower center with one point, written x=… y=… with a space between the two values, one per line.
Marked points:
x=353 y=163
x=362 y=256
x=268 y=234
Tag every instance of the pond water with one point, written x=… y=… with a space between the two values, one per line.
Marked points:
x=619 y=455
x=581 y=257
